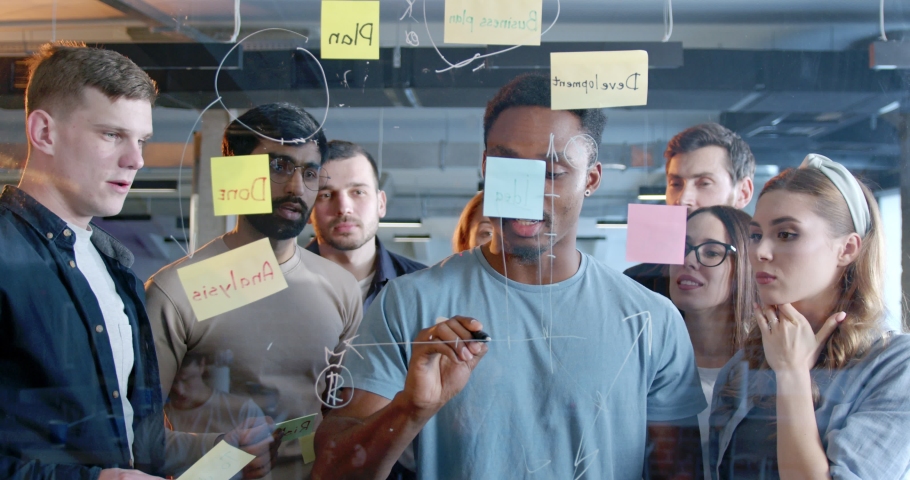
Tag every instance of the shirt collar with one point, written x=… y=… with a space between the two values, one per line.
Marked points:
x=384 y=265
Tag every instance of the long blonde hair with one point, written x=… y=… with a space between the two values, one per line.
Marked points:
x=860 y=294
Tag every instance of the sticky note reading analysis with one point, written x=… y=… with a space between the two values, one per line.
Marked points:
x=221 y=463
x=493 y=22
x=296 y=428
x=598 y=79
x=231 y=280
x=241 y=185
x=656 y=234
x=350 y=30
x=514 y=188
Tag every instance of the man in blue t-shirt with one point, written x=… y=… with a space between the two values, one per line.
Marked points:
x=580 y=361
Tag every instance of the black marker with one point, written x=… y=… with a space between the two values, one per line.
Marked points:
x=481 y=335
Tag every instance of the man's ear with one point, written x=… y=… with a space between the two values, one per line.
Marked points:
x=41 y=131
x=743 y=191
x=382 y=203
x=850 y=250
x=593 y=177
x=483 y=165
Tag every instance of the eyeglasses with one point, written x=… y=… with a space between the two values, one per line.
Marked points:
x=281 y=170
x=710 y=254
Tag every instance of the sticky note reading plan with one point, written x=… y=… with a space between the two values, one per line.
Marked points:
x=350 y=30
x=656 y=234
x=296 y=428
x=493 y=22
x=514 y=188
x=241 y=185
x=221 y=463
x=231 y=280
x=598 y=79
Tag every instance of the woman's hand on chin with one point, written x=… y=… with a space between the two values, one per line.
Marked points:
x=789 y=342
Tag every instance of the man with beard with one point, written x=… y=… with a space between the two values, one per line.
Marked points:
x=274 y=350
x=346 y=216
x=577 y=359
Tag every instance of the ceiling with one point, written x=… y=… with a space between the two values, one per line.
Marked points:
x=791 y=76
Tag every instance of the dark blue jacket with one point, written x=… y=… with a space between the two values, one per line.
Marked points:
x=388 y=266
x=61 y=415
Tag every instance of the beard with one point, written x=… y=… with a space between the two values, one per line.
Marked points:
x=347 y=243
x=276 y=227
x=531 y=254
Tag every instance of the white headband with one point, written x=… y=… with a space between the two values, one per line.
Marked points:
x=848 y=186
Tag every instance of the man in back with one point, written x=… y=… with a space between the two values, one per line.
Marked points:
x=278 y=348
x=707 y=165
x=581 y=359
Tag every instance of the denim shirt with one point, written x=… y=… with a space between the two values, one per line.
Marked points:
x=61 y=415
x=388 y=266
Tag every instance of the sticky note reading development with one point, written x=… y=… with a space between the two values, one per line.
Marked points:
x=231 y=280
x=221 y=463
x=656 y=234
x=493 y=22
x=350 y=30
x=241 y=185
x=514 y=188
x=598 y=79
x=296 y=428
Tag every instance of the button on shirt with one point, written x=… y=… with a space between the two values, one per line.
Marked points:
x=117 y=324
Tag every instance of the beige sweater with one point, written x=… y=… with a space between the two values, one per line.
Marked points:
x=276 y=346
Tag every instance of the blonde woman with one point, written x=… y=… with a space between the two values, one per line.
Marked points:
x=821 y=388
x=473 y=228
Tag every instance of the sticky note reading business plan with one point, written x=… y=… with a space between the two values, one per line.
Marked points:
x=598 y=79
x=221 y=463
x=241 y=185
x=656 y=234
x=514 y=188
x=231 y=280
x=296 y=428
x=350 y=30
x=493 y=22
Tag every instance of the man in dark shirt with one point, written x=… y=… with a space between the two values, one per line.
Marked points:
x=706 y=165
x=346 y=217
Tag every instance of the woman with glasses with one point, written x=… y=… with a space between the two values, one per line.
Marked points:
x=715 y=291
x=820 y=389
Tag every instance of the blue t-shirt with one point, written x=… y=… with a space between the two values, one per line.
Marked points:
x=573 y=373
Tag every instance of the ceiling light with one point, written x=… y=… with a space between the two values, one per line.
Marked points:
x=612 y=224
x=652 y=193
x=889 y=107
x=401 y=224
x=412 y=238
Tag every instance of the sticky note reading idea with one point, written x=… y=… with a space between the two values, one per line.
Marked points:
x=350 y=30
x=221 y=463
x=493 y=22
x=231 y=280
x=296 y=428
x=598 y=79
x=514 y=188
x=656 y=234
x=240 y=185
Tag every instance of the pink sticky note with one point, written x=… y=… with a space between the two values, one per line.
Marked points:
x=656 y=234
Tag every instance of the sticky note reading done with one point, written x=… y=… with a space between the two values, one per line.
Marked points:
x=241 y=185
x=350 y=30
x=514 y=188
x=493 y=22
x=231 y=280
x=221 y=463
x=598 y=79
x=656 y=234
x=296 y=428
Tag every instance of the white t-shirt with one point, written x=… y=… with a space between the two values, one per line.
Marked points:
x=116 y=322
x=366 y=283
x=708 y=377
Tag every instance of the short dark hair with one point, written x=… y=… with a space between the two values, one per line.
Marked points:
x=742 y=162
x=281 y=121
x=533 y=90
x=59 y=73
x=343 y=150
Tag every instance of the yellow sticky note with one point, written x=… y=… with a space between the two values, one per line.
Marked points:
x=350 y=30
x=220 y=463
x=231 y=280
x=307 y=448
x=241 y=185
x=598 y=79
x=493 y=22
